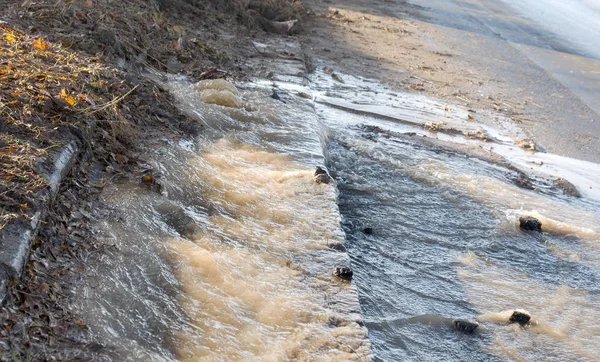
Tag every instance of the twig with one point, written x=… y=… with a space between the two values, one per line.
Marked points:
x=88 y=111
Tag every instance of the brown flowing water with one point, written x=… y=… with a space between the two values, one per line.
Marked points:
x=233 y=260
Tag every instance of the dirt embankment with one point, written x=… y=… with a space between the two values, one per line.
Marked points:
x=72 y=71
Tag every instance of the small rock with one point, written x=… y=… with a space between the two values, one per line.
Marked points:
x=322 y=179
x=523 y=181
x=337 y=78
x=304 y=95
x=567 y=187
x=337 y=246
x=530 y=223
x=520 y=317
x=368 y=231
x=465 y=326
x=525 y=144
x=276 y=96
x=343 y=273
x=321 y=176
x=320 y=171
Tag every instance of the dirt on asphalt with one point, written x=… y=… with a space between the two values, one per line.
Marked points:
x=424 y=50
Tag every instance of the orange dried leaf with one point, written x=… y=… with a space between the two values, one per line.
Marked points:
x=40 y=44
x=70 y=100
x=10 y=38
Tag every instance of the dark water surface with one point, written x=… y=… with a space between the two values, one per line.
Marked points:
x=433 y=236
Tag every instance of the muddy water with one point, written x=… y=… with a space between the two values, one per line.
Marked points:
x=232 y=260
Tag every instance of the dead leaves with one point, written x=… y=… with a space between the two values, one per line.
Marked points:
x=40 y=44
x=10 y=37
x=66 y=97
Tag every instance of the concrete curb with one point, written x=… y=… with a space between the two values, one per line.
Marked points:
x=16 y=237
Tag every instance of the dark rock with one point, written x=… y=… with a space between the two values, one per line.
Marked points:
x=320 y=171
x=337 y=78
x=343 y=273
x=322 y=179
x=530 y=223
x=337 y=246
x=321 y=176
x=566 y=187
x=520 y=317
x=465 y=326
x=523 y=181
x=276 y=96
x=368 y=231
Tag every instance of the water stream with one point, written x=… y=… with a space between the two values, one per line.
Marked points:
x=431 y=216
x=233 y=259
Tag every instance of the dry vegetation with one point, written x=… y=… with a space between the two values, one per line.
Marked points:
x=71 y=70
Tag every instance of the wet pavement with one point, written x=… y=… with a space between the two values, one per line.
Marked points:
x=542 y=50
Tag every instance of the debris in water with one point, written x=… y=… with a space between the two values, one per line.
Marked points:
x=465 y=326
x=337 y=78
x=566 y=187
x=435 y=126
x=520 y=317
x=149 y=181
x=530 y=224
x=523 y=181
x=343 y=273
x=525 y=144
x=304 y=95
x=321 y=176
x=276 y=96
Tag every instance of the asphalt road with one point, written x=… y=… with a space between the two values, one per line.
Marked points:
x=549 y=48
